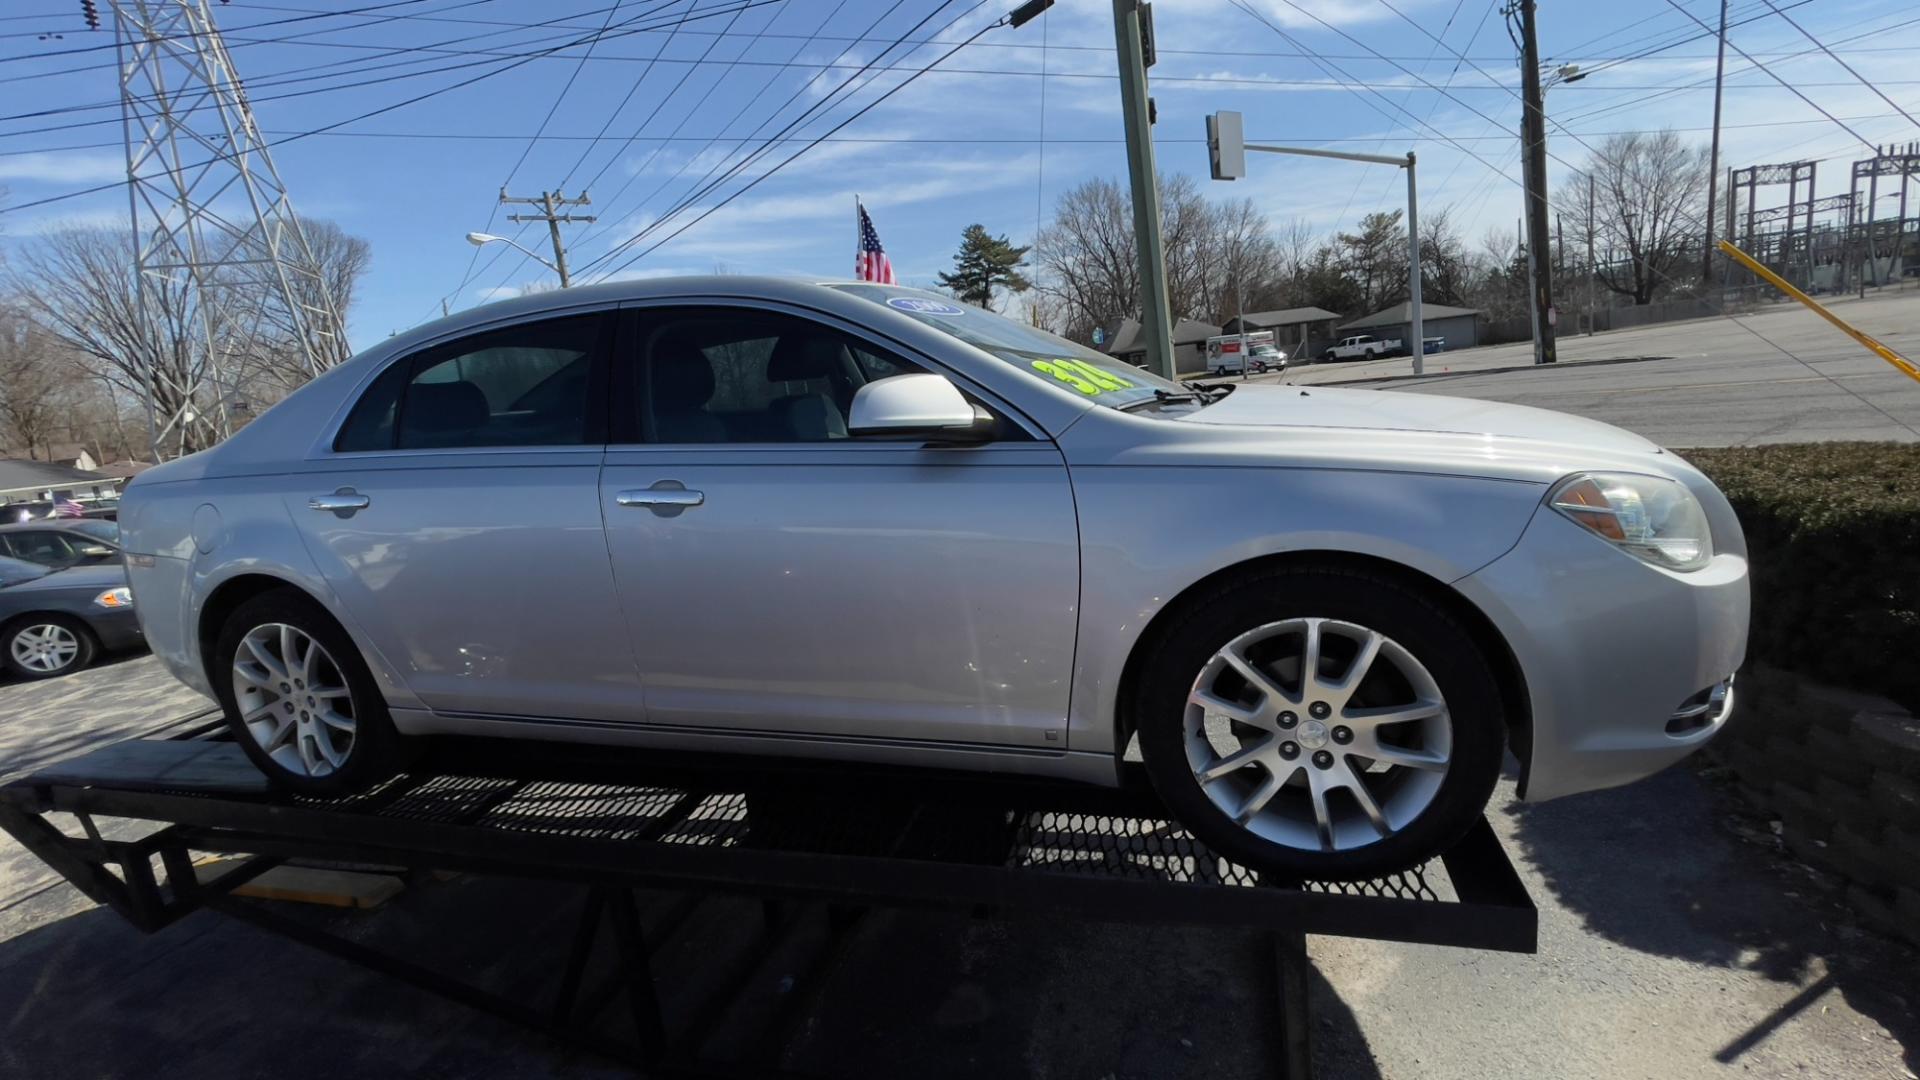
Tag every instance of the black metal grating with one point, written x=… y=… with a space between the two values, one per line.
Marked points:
x=589 y=811
x=1125 y=846
x=1156 y=850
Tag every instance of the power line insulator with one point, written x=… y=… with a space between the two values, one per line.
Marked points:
x=90 y=11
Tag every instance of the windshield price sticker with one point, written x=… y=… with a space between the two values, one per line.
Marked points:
x=916 y=305
x=1082 y=376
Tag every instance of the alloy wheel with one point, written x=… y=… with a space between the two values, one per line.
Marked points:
x=45 y=647
x=293 y=699
x=1318 y=734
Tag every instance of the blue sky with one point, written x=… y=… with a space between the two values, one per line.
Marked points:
x=984 y=137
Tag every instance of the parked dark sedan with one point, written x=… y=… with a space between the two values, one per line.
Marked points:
x=61 y=542
x=57 y=621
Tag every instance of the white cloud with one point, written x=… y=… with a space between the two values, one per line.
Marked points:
x=63 y=167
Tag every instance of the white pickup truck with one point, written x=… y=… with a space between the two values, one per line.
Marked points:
x=1362 y=347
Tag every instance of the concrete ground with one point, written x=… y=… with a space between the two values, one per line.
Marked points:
x=1782 y=375
x=1675 y=942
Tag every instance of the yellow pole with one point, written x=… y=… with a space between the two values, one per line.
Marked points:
x=1862 y=337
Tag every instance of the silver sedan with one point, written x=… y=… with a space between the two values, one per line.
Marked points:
x=868 y=523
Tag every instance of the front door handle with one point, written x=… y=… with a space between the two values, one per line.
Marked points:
x=661 y=497
x=342 y=502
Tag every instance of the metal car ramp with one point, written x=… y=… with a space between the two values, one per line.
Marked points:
x=801 y=840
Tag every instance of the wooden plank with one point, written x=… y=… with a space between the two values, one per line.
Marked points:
x=162 y=765
x=310 y=884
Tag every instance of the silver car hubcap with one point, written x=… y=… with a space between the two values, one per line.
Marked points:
x=45 y=648
x=1318 y=734
x=293 y=699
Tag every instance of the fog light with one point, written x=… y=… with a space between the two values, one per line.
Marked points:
x=1702 y=710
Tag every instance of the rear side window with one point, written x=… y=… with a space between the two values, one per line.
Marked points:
x=527 y=385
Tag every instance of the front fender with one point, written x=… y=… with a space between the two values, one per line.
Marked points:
x=1149 y=533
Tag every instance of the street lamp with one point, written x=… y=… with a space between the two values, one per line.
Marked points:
x=1565 y=73
x=480 y=239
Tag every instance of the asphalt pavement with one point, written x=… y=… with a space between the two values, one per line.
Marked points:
x=1779 y=375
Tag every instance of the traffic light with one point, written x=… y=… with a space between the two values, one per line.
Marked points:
x=1226 y=146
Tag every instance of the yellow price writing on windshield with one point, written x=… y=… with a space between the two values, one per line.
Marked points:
x=1082 y=376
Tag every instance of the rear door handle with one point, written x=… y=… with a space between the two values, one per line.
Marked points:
x=343 y=502
x=659 y=497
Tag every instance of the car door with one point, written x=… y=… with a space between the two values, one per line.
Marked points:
x=457 y=517
x=779 y=576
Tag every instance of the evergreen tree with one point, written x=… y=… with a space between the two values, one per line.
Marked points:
x=983 y=264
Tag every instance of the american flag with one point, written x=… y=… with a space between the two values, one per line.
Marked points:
x=871 y=264
x=65 y=507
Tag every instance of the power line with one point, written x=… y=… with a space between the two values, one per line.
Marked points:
x=868 y=107
x=819 y=107
x=1795 y=90
x=1863 y=81
x=338 y=123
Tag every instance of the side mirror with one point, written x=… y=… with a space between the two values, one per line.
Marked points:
x=925 y=405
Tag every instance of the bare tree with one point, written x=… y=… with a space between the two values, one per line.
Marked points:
x=1087 y=256
x=34 y=389
x=273 y=365
x=1446 y=266
x=1649 y=195
x=80 y=285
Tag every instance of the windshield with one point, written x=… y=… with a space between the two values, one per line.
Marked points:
x=15 y=571
x=100 y=530
x=1105 y=379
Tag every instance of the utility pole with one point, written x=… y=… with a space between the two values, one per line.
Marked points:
x=1593 y=270
x=1713 y=155
x=550 y=203
x=1533 y=148
x=1132 y=33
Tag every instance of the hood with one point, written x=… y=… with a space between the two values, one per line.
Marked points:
x=1254 y=405
x=100 y=576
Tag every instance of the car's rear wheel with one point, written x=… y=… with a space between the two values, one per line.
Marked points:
x=48 y=646
x=300 y=700
x=1326 y=724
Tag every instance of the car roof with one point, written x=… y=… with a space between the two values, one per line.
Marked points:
x=63 y=524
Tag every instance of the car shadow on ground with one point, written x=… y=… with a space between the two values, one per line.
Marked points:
x=920 y=994
x=1651 y=866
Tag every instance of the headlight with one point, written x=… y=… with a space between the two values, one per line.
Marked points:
x=115 y=598
x=1657 y=520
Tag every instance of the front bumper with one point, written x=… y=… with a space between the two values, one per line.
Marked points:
x=1618 y=656
x=118 y=630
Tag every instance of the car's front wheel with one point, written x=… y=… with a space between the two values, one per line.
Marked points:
x=1325 y=724
x=300 y=700
x=48 y=646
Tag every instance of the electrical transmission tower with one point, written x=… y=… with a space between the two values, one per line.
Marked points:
x=230 y=294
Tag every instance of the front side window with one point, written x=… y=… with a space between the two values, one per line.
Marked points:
x=528 y=385
x=1102 y=378
x=733 y=376
x=45 y=547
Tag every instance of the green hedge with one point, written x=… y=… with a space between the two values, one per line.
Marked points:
x=1834 y=532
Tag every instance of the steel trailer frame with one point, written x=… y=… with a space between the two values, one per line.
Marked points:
x=611 y=825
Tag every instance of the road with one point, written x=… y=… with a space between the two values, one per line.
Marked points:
x=1783 y=375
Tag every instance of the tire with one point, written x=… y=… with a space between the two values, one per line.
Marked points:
x=47 y=646
x=296 y=738
x=1426 y=798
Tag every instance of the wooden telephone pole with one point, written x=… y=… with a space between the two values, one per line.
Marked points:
x=550 y=203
